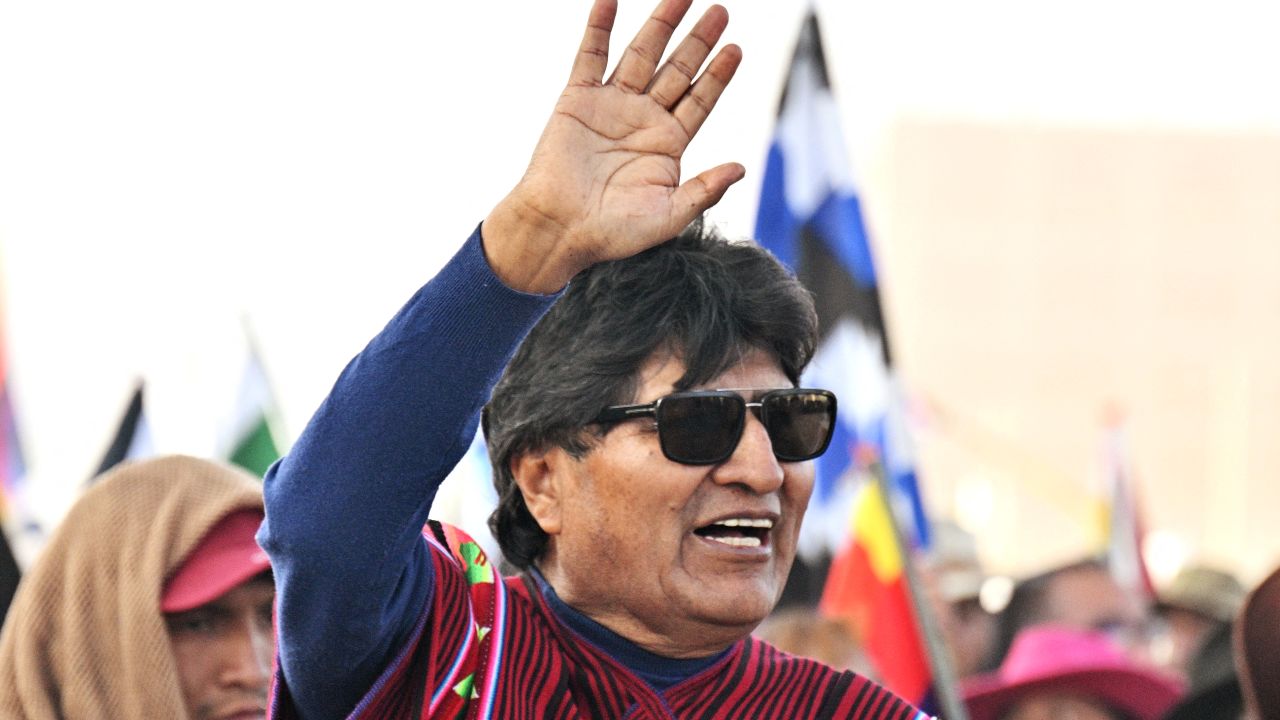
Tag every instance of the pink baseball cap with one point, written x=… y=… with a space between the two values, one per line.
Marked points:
x=1075 y=662
x=227 y=556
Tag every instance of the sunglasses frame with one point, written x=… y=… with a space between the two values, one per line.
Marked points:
x=622 y=413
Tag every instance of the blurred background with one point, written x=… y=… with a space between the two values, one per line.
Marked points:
x=1073 y=207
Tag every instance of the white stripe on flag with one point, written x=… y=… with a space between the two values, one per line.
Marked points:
x=850 y=363
x=810 y=138
x=253 y=404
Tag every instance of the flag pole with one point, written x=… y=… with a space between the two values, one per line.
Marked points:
x=944 y=678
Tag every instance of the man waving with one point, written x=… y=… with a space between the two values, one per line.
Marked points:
x=651 y=448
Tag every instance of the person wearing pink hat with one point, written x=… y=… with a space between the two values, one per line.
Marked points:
x=1059 y=673
x=151 y=600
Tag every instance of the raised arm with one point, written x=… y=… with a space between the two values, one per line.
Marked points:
x=346 y=507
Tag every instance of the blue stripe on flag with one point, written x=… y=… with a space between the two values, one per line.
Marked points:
x=776 y=226
x=909 y=488
x=838 y=221
x=832 y=464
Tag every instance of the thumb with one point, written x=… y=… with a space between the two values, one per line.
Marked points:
x=698 y=193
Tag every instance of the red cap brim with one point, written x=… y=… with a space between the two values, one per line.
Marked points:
x=226 y=557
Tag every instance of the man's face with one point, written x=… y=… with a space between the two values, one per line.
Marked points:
x=971 y=632
x=1185 y=632
x=223 y=650
x=1049 y=706
x=1090 y=599
x=642 y=546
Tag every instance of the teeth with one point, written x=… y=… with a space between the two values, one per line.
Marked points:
x=747 y=522
x=737 y=541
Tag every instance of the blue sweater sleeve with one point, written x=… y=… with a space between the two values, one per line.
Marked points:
x=346 y=507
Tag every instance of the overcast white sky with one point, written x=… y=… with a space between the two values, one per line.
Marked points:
x=166 y=167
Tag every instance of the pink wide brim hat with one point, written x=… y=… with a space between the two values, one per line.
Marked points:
x=1071 y=662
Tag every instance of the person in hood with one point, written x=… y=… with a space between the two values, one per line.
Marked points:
x=151 y=600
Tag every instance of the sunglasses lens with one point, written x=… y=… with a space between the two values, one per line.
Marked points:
x=799 y=422
x=700 y=429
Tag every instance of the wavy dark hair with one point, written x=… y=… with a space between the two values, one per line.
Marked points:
x=699 y=296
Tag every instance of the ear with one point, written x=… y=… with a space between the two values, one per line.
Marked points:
x=543 y=477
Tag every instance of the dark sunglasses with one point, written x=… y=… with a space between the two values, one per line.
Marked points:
x=703 y=427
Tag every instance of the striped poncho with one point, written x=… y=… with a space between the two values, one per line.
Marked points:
x=490 y=647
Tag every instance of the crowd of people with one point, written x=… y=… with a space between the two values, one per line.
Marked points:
x=153 y=599
x=1072 y=641
x=637 y=379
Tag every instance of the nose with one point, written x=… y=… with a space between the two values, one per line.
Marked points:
x=248 y=657
x=752 y=464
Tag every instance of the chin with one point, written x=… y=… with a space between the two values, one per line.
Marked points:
x=736 y=605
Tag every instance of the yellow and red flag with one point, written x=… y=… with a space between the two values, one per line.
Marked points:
x=867 y=587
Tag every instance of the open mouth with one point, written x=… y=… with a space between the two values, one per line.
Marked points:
x=738 y=532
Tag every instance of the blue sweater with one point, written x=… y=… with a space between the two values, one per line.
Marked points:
x=346 y=507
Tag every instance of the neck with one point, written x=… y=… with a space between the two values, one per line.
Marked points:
x=672 y=638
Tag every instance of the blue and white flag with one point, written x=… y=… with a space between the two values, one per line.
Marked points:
x=811 y=219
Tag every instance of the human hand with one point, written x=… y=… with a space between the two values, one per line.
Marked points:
x=604 y=181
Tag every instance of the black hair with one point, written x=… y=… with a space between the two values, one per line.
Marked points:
x=699 y=296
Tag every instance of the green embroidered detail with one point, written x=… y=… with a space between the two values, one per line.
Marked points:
x=476 y=564
x=481 y=631
x=465 y=688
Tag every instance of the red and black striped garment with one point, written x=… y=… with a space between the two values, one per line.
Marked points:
x=490 y=647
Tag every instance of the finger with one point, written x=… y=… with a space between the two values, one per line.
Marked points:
x=697 y=194
x=638 y=61
x=696 y=105
x=676 y=75
x=593 y=55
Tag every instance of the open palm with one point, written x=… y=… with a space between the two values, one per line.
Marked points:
x=604 y=180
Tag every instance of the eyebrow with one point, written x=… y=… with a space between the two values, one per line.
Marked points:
x=209 y=611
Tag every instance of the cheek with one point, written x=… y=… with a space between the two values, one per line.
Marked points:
x=264 y=646
x=798 y=485
x=632 y=496
x=193 y=658
x=625 y=476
